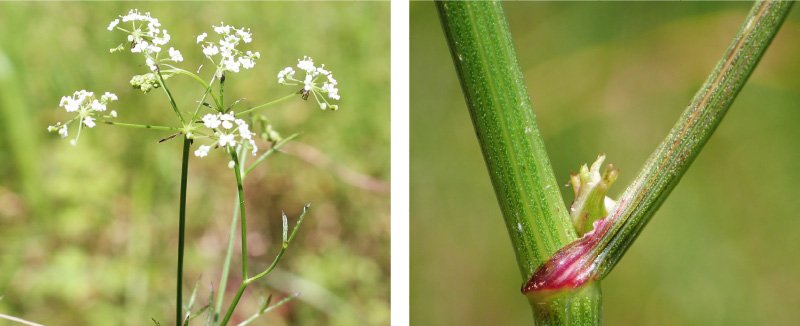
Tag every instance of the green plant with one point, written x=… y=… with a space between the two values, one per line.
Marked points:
x=220 y=126
x=560 y=264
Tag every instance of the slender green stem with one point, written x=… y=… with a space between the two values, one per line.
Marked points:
x=222 y=92
x=235 y=301
x=502 y=114
x=267 y=308
x=267 y=104
x=674 y=155
x=203 y=99
x=240 y=192
x=169 y=95
x=197 y=79
x=181 y=229
x=134 y=125
x=223 y=281
x=288 y=237
x=243 y=219
x=523 y=180
x=268 y=153
x=20 y=320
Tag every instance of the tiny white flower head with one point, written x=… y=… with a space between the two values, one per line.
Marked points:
x=88 y=108
x=89 y=122
x=231 y=164
x=306 y=64
x=202 y=151
x=227 y=139
x=224 y=52
x=211 y=121
x=175 y=55
x=146 y=37
x=107 y=96
x=317 y=81
x=63 y=131
x=151 y=64
x=113 y=24
x=226 y=131
x=287 y=72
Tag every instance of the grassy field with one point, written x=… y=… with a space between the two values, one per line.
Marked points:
x=613 y=78
x=88 y=234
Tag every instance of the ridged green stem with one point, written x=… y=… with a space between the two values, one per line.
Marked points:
x=526 y=189
x=672 y=158
x=182 y=230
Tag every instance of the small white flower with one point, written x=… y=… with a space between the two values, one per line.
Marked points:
x=230 y=58
x=222 y=28
x=308 y=83
x=151 y=64
x=287 y=72
x=226 y=120
x=145 y=35
x=247 y=63
x=233 y=132
x=88 y=109
x=107 y=96
x=163 y=39
x=97 y=106
x=113 y=24
x=89 y=122
x=202 y=151
x=175 y=55
x=210 y=50
x=324 y=93
x=306 y=64
x=211 y=121
x=231 y=164
x=245 y=35
x=226 y=139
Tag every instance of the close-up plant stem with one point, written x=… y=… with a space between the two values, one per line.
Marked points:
x=526 y=188
x=596 y=255
x=267 y=104
x=182 y=229
x=561 y=270
x=135 y=125
x=169 y=95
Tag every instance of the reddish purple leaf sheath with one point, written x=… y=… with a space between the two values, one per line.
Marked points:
x=571 y=266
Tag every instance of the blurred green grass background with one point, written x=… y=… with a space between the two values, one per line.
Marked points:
x=88 y=233
x=613 y=78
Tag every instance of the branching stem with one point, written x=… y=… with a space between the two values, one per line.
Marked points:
x=595 y=255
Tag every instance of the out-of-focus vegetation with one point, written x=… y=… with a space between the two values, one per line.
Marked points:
x=88 y=234
x=613 y=78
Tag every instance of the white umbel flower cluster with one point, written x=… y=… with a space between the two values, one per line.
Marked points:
x=227 y=131
x=224 y=53
x=145 y=36
x=88 y=107
x=313 y=76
